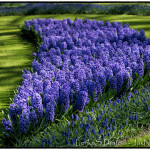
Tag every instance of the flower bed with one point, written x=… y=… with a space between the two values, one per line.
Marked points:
x=106 y=125
x=73 y=65
x=75 y=8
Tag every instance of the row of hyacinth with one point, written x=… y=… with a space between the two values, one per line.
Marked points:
x=78 y=8
x=111 y=121
x=74 y=61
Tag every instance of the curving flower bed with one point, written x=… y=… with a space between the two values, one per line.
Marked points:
x=74 y=62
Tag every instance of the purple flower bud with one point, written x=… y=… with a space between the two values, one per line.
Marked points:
x=72 y=117
x=81 y=125
x=136 y=116
x=77 y=118
x=114 y=128
x=93 y=131
x=121 y=126
x=102 y=137
x=126 y=122
x=34 y=54
x=100 y=131
x=147 y=108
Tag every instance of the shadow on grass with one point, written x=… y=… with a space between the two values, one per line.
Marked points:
x=8 y=79
x=9 y=33
x=11 y=77
x=16 y=20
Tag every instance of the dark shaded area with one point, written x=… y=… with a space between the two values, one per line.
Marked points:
x=30 y=36
x=16 y=20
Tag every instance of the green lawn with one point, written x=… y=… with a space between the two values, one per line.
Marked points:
x=16 y=54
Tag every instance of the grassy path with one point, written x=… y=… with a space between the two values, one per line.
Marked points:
x=16 y=54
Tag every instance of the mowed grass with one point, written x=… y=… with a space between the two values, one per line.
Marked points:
x=16 y=53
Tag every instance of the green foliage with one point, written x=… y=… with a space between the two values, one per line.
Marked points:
x=127 y=132
x=31 y=35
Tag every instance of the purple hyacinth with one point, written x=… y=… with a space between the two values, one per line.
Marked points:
x=38 y=85
x=7 y=125
x=140 y=68
x=50 y=111
x=47 y=98
x=24 y=121
x=126 y=77
x=119 y=78
x=33 y=116
x=76 y=86
x=27 y=24
x=36 y=102
x=102 y=80
x=64 y=97
x=81 y=101
x=113 y=82
x=13 y=112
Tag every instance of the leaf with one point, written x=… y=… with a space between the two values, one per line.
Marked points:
x=8 y=134
x=137 y=81
x=146 y=78
x=67 y=112
x=11 y=100
x=93 y=95
x=90 y=100
x=2 y=112
x=111 y=93
x=41 y=124
x=130 y=83
x=31 y=35
x=30 y=128
x=13 y=127
x=107 y=86
x=29 y=103
x=102 y=98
